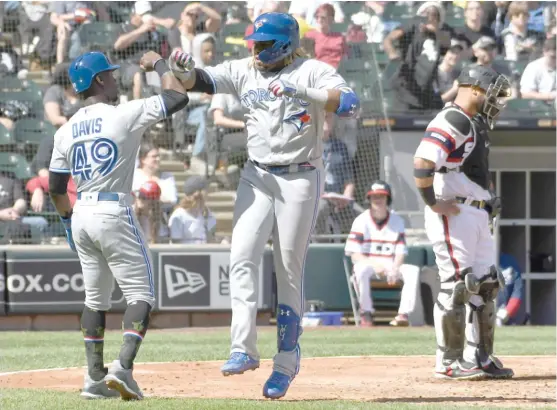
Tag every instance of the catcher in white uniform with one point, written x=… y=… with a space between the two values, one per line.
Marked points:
x=377 y=247
x=286 y=96
x=98 y=147
x=451 y=170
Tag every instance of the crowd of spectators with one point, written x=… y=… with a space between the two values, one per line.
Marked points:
x=424 y=45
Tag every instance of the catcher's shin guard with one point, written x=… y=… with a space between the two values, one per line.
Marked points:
x=449 y=322
x=481 y=315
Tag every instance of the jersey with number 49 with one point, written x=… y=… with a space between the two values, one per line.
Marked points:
x=99 y=144
x=449 y=140
x=384 y=241
x=281 y=130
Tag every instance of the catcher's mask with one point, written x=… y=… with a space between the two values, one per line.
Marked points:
x=495 y=99
x=495 y=88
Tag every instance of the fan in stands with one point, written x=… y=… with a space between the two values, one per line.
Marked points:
x=84 y=15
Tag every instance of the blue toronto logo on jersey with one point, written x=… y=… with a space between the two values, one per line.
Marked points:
x=103 y=153
x=299 y=119
x=252 y=97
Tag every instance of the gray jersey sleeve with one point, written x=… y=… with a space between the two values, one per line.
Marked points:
x=140 y=114
x=58 y=161
x=223 y=77
x=325 y=77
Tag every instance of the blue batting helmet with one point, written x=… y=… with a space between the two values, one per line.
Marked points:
x=84 y=68
x=281 y=28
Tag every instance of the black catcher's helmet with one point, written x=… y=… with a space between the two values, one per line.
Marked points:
x=381 y=188
x=496 y=87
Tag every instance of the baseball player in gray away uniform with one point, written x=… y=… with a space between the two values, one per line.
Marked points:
x=287 y=97
x=98 y=147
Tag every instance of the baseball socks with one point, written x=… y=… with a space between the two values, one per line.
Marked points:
x=135 y=324
x=93 y=323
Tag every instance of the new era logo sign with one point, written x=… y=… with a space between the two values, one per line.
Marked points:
x=184 y=281
x=180 y=281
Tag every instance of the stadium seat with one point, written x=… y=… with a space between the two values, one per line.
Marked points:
x=517 y=66
x=455 y=21
x=367 y=51
x=231 y=51
x=28 y=134
x=16 y=165
x=350 y=7
x=398 y=12
x=340 y=27
x=356 y=68
x=99 y=35
x=14 y=84
x=527 y=107
x=234 y=30
x=32 y=99
x=32 y=130
x=6 y=139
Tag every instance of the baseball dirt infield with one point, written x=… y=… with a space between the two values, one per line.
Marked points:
x=379 y=379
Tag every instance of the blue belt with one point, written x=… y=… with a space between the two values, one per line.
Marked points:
x=284 y=169
x=105 y=196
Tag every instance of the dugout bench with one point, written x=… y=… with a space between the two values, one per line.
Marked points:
x=327 y=279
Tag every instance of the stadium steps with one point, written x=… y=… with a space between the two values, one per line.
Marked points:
x=224 y=221
x=221 y=203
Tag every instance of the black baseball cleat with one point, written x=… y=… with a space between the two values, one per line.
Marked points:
x=496 y=370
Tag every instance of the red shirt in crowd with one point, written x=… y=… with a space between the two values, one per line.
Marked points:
x=42 y=182
x=249 y=32
x=329 y=48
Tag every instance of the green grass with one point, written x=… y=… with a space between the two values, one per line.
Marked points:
x=43 y=399
x=36 y=350
x=69 y=401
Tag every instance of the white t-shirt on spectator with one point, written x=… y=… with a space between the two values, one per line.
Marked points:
x=169 y=193
x=307 y=8
x=34 y=10
x=186 y=228
x=538 y=77
x=229 y=104
x=256 y=5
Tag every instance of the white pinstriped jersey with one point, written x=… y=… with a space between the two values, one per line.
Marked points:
x=99 y=144
x=447 y=147
x=382 y=241
x=281 y=130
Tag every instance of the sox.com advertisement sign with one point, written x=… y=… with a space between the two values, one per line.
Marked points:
x=196 y=281
x=49 y=286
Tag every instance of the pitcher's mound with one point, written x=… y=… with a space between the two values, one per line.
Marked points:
x=382 y=379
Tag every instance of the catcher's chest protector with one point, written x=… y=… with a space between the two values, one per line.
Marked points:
x=475 y=152
x=476 y=165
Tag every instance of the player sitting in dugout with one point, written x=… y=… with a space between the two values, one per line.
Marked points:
x=510 y=309
x=377 y=247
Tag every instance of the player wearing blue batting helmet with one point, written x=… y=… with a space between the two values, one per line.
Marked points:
x=87 y=68
x=276 y=37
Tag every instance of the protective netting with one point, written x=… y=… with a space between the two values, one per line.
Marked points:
x=393 y=75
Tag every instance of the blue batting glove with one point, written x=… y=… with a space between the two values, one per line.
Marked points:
x=282 y=87
x=67 y=222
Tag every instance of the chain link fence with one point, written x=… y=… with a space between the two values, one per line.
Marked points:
x=207 y=139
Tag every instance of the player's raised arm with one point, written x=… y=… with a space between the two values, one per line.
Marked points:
x=208 y=80
x=174 y=95
x=328 y=90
